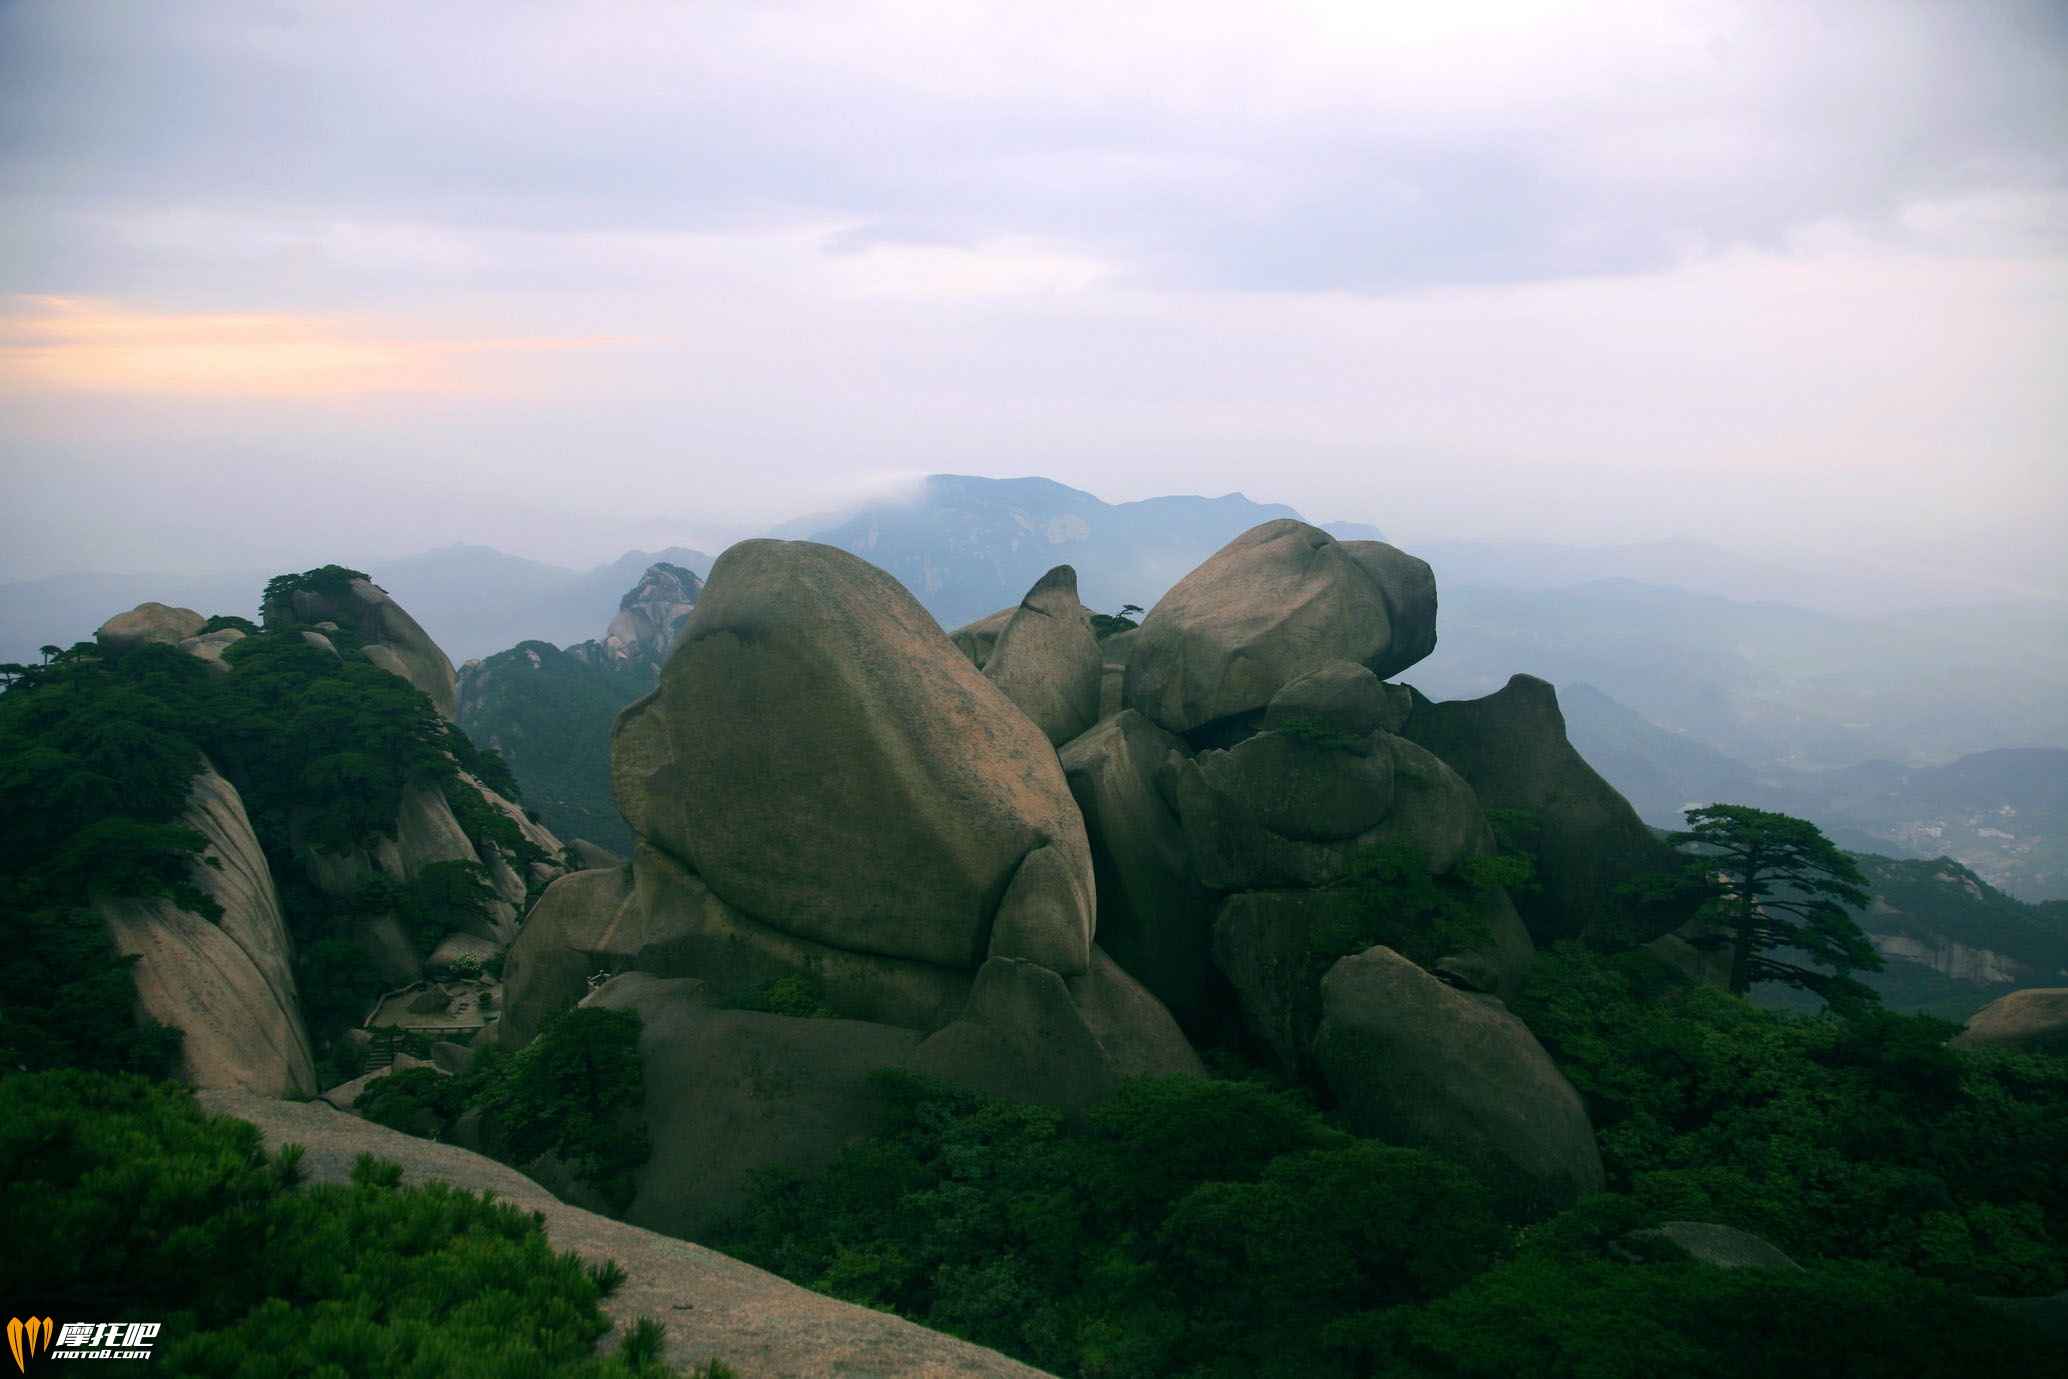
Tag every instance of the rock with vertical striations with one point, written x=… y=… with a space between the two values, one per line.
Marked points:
x=393 y=640
x=227 y=985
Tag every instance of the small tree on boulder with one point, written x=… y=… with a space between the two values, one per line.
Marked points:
x=1776 y=884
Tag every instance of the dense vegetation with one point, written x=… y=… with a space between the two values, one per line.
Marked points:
x=550 y=713
x=1222 y=1228
x=571 y=1092
x=121 y=1200
x=98 y=751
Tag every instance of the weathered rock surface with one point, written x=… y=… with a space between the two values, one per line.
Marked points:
x=1275 y=812
x=1279 y=601
x=1047 y=660
x=1408 y=586
x=149 y=623
x=1340 y=697
x=978 y=639
x=2031 y=1021
x=1417 y=1063
x=228 y=986
x=1265 y=942
x=1512 y=747
x=394 y=641
x=1028 y=1035
x=210 y=646
x=649 y=619
x=828 y=762
x=1154 y=916
x=711 y=1307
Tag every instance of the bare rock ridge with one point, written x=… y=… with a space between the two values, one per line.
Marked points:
x=649 y=619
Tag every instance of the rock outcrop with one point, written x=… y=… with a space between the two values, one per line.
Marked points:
x=2034 y=1020
x=149 y=623
x=649 y=619
x=1512 y=747
x=1279 y=601
x=393 y=640
x=1417 y=1063
x=228 y=985
x=1047 y=660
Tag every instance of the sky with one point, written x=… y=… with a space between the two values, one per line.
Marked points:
x=293 y=281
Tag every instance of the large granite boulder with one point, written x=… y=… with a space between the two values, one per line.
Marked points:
x=827 y=762
x=1417 y=1063
x=1047 y=660
x=1154 y=915
x=393 y=640
x=1511 y=746
x=1279 y=601
x=148 y=624
x=227 y=985
x=2031 y=1021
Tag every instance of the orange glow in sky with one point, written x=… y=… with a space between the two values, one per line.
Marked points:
x=80 y=345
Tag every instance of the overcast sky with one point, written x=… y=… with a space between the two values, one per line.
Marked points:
x=548 y=276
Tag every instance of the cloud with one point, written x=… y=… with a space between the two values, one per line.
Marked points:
x=77 y=345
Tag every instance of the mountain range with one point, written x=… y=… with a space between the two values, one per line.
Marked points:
x=1682 y=675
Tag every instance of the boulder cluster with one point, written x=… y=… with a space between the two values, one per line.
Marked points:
x=1030 y=861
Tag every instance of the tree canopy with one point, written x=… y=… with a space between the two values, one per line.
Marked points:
x=1776 y=885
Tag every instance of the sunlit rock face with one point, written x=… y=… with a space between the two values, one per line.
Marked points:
x=1276 y=603
x=649 y=619
x=1047 y=660
x=829 y=764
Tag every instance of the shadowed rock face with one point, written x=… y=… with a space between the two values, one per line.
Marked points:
x=1416 y=1063
x=1512 y=747
x=829 y=764
x=227 y=986
x=1276 y=603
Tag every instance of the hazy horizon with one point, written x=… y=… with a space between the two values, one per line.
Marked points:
x=379 y=278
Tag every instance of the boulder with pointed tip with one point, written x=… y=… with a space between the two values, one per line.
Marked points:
x=1047 y=660
x=1511 y=746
